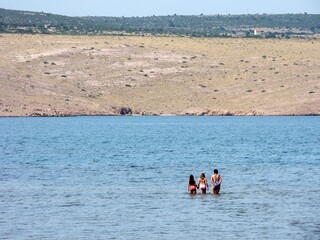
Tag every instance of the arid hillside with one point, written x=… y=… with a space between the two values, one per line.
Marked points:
x=43 y=75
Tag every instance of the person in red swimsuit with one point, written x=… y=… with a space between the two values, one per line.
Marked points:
x=192 y=186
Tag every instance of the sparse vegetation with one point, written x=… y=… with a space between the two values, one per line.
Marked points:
x=270 y=26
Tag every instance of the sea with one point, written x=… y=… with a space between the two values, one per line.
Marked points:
x=126 y=177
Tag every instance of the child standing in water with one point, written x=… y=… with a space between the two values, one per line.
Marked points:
x=202 y=183
x=192 y=186
x=216 y=181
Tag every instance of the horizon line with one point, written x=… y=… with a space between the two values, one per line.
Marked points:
x=153 y=15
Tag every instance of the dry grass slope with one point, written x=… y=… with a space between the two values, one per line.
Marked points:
x=42 y=75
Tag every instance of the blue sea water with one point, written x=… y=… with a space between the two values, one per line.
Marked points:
x=126 y=177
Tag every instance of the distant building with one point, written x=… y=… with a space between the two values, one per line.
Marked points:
x=257 y=32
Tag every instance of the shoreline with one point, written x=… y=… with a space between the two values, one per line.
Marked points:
x=161 y=115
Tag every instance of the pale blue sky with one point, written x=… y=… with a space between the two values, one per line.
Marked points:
x=130 y=8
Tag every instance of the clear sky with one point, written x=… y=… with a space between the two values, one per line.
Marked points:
x=131 y=8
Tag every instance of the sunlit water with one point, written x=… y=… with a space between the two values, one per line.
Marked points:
x=126 y=177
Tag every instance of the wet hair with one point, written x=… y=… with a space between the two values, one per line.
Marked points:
x=203 y=175
x=215 y=171
x=191 y=180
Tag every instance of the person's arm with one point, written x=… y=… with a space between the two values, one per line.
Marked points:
x=195 y=183
x=207 y=183
x=220 y=180
x=211 y=180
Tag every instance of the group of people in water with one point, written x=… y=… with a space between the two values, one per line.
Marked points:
x=203 y=183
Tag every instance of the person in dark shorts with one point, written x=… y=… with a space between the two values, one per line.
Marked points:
x=216 y=181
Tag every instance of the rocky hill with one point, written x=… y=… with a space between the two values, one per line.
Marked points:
x=53 y=75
